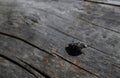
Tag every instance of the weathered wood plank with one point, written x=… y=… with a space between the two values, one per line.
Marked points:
x=39 y=41
x=48 y=64
x=34 y=26
x=99 y=38
x=60 y=28
x=57 y=21
x=66 y=25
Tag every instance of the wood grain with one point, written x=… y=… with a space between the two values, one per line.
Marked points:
x=35 y=34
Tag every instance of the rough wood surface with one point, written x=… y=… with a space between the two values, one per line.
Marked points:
x=34 y=34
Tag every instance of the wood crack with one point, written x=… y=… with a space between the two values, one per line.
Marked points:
x=41 y=72
x=98 y=2
x=9 y=35
x=76 y=65
x=116 y=66
x=23 y=66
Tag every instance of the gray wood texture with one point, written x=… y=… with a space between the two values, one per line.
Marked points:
x=34 y=34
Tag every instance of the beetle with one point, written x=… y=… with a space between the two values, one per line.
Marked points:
x=75 y=49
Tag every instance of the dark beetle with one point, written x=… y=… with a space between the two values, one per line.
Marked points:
x=74 y=49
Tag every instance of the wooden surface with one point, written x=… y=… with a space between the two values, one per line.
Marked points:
x=34 y=34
